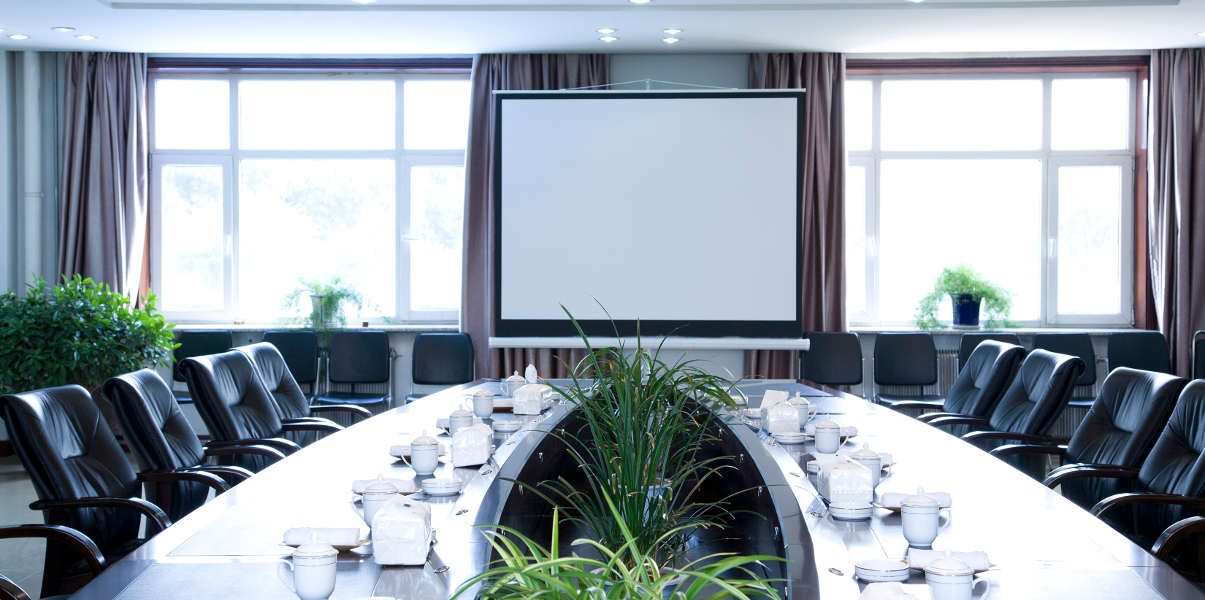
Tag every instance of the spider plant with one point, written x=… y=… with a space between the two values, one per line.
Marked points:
x=526 y=570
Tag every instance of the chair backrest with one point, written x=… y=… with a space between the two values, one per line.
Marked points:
x=969 y=341
x=1144 y=350
x=360 y=356
x=1198 y=354
x=905 y=359
x=982 y=381
x=197 y=343
x=442 y=358
x=299 y=347
x=232 y=400
x=834 y=358
x=1038 y=393
x=291 y=403
x=1075 y=344
x=153 y=421
x=1175 y=465
x=70 y=452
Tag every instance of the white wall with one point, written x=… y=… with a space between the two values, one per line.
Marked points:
x=721 y=70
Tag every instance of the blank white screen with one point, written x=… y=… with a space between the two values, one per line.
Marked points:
x=661 y=208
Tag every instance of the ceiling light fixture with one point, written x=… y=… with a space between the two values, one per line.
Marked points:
x=670 y=40
x=608 y=38
x=87 y=37
x=63 y=29
x=606 y=30
x=671 y=31
x=916 y=1
x=640 y=1
x=18 y=36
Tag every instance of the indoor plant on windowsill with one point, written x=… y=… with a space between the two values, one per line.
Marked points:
x=968 y=292
x=327 y=300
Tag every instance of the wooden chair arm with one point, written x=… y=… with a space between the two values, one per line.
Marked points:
x=358 y=413
x=975 y=436
x=80 y=543
x=286 y=446
x=217 y=484
x=233 y=475
x=1131 y=498
x=232 y=449
x=1175 y=533
x=322 y=425
x=937 y=415
x=915 y=404
x=958 y=420
x=154 y=515
x=1015 y=449
x=1079 y=471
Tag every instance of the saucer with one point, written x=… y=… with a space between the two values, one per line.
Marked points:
x=843 y=513
x=441 y=486
x=790 y=438
x=508 y=425
x=881 y=569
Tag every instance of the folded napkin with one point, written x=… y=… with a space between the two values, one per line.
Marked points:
x=918 y=559
x=892 y=590
x=404 y=486
x=772 y=397
x=893 y=499
x=346 y=537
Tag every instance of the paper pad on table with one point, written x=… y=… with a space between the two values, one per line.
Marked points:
x=341 y=537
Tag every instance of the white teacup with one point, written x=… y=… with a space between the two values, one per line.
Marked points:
x=483 y=403
x=312 y=571
x=828 y=437
x=424 y=455
x=951 y=579
x=461 y=418
x=375 y=495
x=919 y=516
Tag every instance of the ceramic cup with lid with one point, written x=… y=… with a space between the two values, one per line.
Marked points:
x=312 y=570
x=871 y=460
x=803 y=408
x=919 y=516
x=483 y=403
x=424 y=454
x=460 y=418
x=951 y=579
x=376 y=494
x=513 y=383
x=828 y=436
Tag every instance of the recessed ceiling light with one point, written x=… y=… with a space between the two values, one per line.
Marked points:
x=63 y=29
x=671 y=31
x=640 y=1
x=18 y=36
x=87 y=37
x=670 y=40
x=606 y=30
x=916 y=1
x=608 y=38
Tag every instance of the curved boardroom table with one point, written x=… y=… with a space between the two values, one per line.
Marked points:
x=1041 y=545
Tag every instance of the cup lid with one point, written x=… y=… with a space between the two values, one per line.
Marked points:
x=948 y=566
x=827 y=424
x=920 y=500
x=798 y=400
x=424 y=440
x=314 y=549
x=460 y=413
x=515 y=377
x=381 y=486
x=865 y=453
x=483 y=393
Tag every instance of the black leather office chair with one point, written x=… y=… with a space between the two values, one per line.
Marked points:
x=1144 y=350
x=834 y=358
x=292 y=405
x=1166 y=488
x=1119 y=430
x=969 y=341
x=299 y=347
x=166 y=443
x=197 y=343
x=1029 y=406
x=1075 y=344
x=78 y=544
x=1198 y=354
x=441 y=359
x=237 y=407
x=979 y=384
x=82 y=477
x=360 y=357
x=906 y=359
x=1173 y=547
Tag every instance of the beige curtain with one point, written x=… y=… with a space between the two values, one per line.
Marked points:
x=494 y=72
x=823 y=274
x=1176 y=197
x=103 y=184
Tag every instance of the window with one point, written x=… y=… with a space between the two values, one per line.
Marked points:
x=1028 y=178
x=262 y=180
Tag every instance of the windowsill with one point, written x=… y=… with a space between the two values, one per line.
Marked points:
x=417 y=327
x=1098 y=330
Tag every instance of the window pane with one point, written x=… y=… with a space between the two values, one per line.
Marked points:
x=436 y=209
x=1089 y=254
x=315 y=219
x=192 y=114
x=316 y=115
x=940 y=213
x=857 y=115
x=436 y=114
x=1090 y=114
x=855 y=240
x=193 y=255
x=962 y=114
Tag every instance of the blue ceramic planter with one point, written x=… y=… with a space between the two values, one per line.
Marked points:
x=966 y=310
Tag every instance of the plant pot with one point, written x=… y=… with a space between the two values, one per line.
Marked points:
x=966 y=310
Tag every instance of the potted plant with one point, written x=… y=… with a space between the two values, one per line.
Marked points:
x=327 y=301
x=78 y=332
x=968 y=292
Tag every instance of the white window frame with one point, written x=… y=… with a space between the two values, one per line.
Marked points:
x=1050 y=160
x=231 y=158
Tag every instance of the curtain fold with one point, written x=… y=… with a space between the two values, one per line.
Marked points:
x=496 y=72
x=1176 y=197
x=103 y=186
x=822 y=270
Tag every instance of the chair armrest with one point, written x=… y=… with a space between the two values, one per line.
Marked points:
x=314 y=425
x=213 y=481
x=920 y=404
x=1130 y=498
x=154 y=515
x=1015 y=449
x=358 y=413
x=937 y=415
x=1175 y=533
x=975 y=436
x=958 y=420
x=231 y=474
x=1079 y=471
x=286 y=446
x=80 y=543
x=232 y=449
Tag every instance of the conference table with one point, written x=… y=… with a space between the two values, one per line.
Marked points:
x=1040 y=544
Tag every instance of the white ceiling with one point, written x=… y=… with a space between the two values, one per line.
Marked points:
x=442 y=27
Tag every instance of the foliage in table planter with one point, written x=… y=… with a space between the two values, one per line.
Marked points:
x=962 y=279
x=77 y=332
